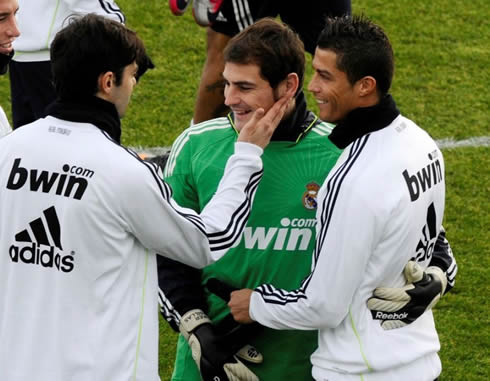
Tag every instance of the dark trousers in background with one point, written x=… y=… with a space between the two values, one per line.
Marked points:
x=31 y=90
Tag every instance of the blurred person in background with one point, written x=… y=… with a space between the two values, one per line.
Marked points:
x=31 y=82
x=9 y=31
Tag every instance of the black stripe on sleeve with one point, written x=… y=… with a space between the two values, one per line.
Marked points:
x=109 y=9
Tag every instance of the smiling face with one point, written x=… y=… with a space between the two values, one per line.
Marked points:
x=8 y=25
x=246 y=91
x=335 y=95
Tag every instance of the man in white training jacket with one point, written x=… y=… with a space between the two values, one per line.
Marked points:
x=82 y=218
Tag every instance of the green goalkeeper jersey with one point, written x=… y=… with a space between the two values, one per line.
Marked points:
x=278 y=240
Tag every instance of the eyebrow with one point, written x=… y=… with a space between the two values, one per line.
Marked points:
x=322 y=72
x=2 y=14
x=240 y=83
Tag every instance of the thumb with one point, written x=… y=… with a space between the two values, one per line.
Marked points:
x=249 y=129
x=413 y=272
x=257 y=115
x=250 y=354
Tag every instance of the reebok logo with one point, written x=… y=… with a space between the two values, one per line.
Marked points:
x=423 y=179
x=72 y=183
x=394 y=316
x=40 y=244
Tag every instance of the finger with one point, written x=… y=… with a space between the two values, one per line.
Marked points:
x=385 y=306
x=234 y=300
x=250 y=128
x=256 y=116
x=392 y=324
x=388 y=293
x=413 y=272
x=276 y=112
x=250 y=354
x=239 y=372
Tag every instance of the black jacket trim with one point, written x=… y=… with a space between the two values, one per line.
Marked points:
x=94 y=110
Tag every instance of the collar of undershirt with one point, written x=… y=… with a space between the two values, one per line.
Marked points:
x=4 y=61
x=295 y=126
x=94 y=110
x=362 y=121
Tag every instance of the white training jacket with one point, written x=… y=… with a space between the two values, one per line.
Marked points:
x=81 y=219
x=382 y=202
x=40 y=20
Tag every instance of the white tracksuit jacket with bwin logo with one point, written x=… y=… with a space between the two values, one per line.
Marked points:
x=382 y=202
x=81 y=220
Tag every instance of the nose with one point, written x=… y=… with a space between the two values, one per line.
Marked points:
x=231 y=96
x=13 y=29
x=312 y=86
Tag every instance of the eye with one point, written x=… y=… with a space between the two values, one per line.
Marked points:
x=322 y=75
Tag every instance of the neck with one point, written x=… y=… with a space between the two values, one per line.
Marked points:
x=364 y=120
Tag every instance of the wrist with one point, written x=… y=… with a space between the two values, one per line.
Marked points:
x=191 y=320
x=248 y=148
x=436 y=273
x=250 y=306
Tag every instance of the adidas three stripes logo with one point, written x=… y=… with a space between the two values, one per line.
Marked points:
x=40 y=244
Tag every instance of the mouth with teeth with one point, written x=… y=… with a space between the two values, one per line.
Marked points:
x=6 y=48
x=241 y=113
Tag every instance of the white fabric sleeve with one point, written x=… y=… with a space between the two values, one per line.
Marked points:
x=182 y=234
x=106 y=8
x=346 y=228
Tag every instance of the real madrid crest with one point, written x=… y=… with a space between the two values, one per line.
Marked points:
x=309 y=197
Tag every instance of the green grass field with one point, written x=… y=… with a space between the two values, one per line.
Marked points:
x=442 y=50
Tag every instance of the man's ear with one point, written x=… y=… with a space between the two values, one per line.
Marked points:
x=366 y=86
x=292 y=83
x=288 y=86
x=105 y=82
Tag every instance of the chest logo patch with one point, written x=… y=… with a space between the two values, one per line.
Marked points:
x=310 y=195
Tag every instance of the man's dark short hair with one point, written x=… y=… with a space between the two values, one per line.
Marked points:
x=362 y=49
x=91 y=45
x=273 y=47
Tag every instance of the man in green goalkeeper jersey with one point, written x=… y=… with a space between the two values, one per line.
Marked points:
x=262 y=63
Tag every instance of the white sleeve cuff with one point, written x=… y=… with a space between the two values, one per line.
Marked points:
x=251 y=307
x=248 y=149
